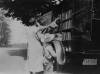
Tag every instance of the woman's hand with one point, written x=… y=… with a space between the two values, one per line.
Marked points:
x=49 y=37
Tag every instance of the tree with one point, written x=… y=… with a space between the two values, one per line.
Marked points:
x=4 y=33
x=25 y=9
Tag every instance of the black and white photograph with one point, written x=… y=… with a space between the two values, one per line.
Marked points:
x=49 y=37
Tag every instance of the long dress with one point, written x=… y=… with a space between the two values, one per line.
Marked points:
x=35 y=51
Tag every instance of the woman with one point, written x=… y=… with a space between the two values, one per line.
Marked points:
x=53 y=50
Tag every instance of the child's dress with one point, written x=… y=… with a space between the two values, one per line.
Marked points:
x=35 y=51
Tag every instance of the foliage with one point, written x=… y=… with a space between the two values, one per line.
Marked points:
x=25 y=9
